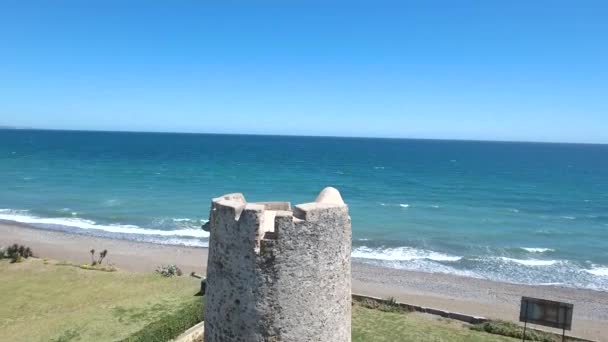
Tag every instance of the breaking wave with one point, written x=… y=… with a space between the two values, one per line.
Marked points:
x=531 y=262
x=599 y=271
x=401 y=254
x=182 y=235
x=532 y=271
x=537 y=250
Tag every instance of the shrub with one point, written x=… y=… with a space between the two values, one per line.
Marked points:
x=511 y=329
x=390 y=301
x=17 y=253
x=170 y=326
x=169 y=271
x=388 y=305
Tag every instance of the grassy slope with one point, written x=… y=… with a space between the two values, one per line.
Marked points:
x=48 y=302
x=376 y=325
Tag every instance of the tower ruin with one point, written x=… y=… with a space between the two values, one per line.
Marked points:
x=277 y=273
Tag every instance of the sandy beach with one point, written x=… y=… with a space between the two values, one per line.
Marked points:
x=454 y=293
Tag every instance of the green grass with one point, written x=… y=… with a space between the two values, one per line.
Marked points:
x=376 y=325
x=42 y=301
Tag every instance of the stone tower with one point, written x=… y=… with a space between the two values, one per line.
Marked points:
x=279 y=274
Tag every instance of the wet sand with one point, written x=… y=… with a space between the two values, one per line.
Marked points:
x=448 y=292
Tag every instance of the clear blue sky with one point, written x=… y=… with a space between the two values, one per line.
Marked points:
x=499 y=70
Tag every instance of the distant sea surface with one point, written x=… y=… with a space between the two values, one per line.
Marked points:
x=518 y=212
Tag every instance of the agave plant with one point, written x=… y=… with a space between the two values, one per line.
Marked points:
x=169 y=271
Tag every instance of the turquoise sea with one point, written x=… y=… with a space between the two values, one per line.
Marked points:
x=519 y=212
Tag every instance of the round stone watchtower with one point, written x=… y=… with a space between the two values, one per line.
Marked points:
x=279 y=274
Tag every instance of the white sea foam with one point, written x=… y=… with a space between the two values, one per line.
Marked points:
x=23 y=217
x=537 y=250
x=401 y=254
x=182 y=220
x=14 y=211
x=402 y=205
x=531 y=262
x=599 y=271
x=179 y=241
x=568 y=217
x=434 y=206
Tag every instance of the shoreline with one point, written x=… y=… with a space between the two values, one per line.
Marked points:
x=456 y=293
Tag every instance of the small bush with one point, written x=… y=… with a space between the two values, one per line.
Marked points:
x=170 y=326
x=511 y=329
x=17 y=253
x=169 y=271
x=390 y=301
x=388 y=305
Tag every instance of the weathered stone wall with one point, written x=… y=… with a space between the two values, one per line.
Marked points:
x=276 y=274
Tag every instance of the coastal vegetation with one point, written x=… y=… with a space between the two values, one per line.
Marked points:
x=95 y=267
x=388 y=305
x=50 y=301
x=370 y=324
x=511 y=329
x=170 y=325
x=130 y=307
x=102 y=256
x=169 y=271
x=16 y=253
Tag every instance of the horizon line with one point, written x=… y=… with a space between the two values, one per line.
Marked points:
x=16 y=128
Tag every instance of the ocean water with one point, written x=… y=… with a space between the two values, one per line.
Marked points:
x=518 y=212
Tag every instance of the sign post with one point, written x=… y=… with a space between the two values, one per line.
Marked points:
x=546 y=312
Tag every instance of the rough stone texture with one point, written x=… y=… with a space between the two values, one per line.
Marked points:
x=277 y=274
